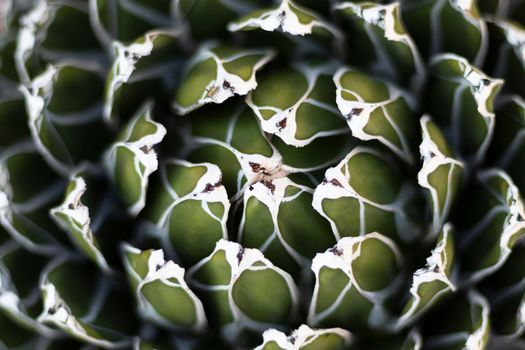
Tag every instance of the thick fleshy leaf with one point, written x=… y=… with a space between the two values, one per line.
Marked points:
x=441 y=173
x=444 y=26
x=375 y=110
x=162 y=294
x=25 y=198
x=366 y=193
x=236 y=144
x=378 y=39
x=508 y=146
x=139 y=68
x=73 y=217
x=298 y=105
x=131 y=159
x=216 y=73
x=64 y=106
x=85 y=305
x=13 y=121
x=506 y=58
x=196 y=15
x=244 y=290
x=353 y=279
x=190 y=206
x=460 y=98
x=287 y=17
x=462 y=323
x=19 y=277
x=278 y=219
x=53 y=30
x=493 y=225
x=432 y=282
x=306 y=338
x=126 y=20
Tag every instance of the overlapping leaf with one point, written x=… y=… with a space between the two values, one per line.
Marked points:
x=306 y=338
x=162 y=294
x=243 y=290
x=366 y=193
x=461 y=98
x=375 y=110
x=131 y=159
x=298 y=105
x=216 y=73
x=190 y=206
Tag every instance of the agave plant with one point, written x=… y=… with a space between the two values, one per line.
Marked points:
x=262 y=174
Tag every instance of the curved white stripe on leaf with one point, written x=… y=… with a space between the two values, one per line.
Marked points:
x=139 y=145
x=438 y=269
x=387 y=19
x=479 y=338
x=170 y=275
x=56 y=312
x=73 y=217
x=284 y=121
x=304 y=336
x=288 y=17
x=358 y=111
x=211 y=61
x=509 y=201
x=436 y=155
x=337 y=185
x=240 y=260
x=32 y=28
x=126 y=59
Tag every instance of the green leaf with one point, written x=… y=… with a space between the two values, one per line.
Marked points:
x=153 y=57
x=25 y=199
x=73 y=217
x=131 y=159
x=250 y=292
x=432 y=282
x=447 y=26
x=190 y=207
x=353 y=279
x=162 y=294
x=366 y=193
x=64 y=106
x=288 y=17
x=216 y=73
x=306 y=338
x=375 y=110
x=460 y=98
x=278 y=219
x=298 y=105
x=392 y=52
x=441 y=173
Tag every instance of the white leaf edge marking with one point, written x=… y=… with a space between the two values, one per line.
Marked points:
x=78 y=216
x=514 y=223
x=248 y=257
x=327 y=190
x=357 y=123
x=435 y=270
x=148 y=160
x=481 y=87
x=373 y=16
x=162 y=270
x=216 y=91
x=340 y=257
x=433 y=158
x=287 y=133
x=200 y=192
x=303 y=336
x=273 y=199
x=126 y=58
x=62 y=316
x=285 y=19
